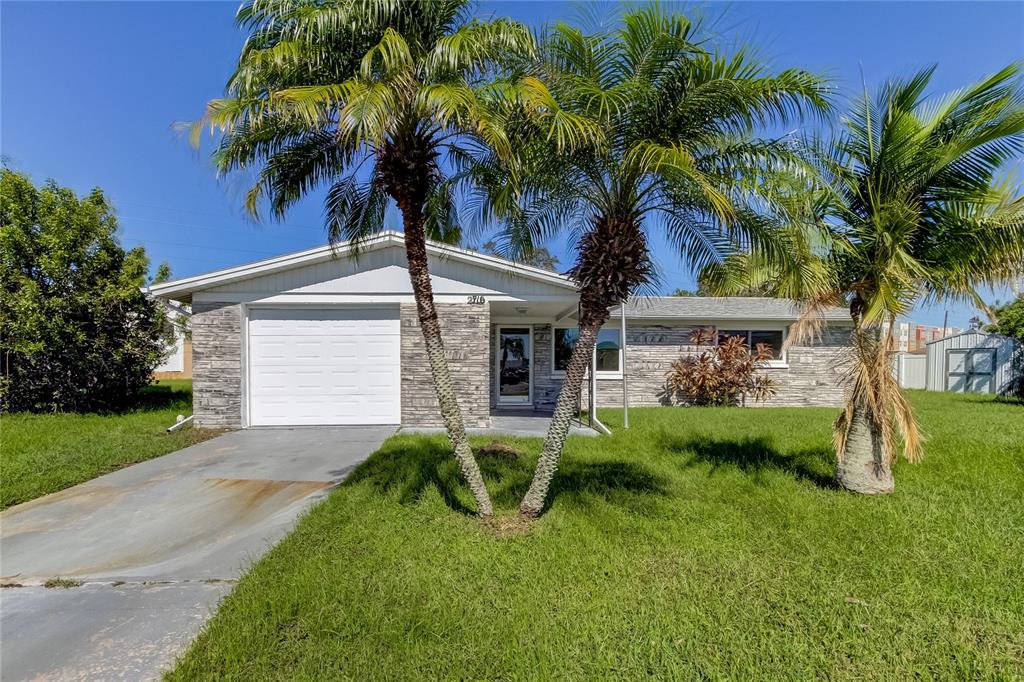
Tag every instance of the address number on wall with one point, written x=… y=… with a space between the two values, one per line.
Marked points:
x=475 y=300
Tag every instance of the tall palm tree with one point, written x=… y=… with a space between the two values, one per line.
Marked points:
x=637 y=128
x=367 y=98
x=909 y=205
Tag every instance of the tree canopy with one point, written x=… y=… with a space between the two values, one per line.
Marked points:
x=77 y=333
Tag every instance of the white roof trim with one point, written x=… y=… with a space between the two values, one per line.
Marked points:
x=187 y=285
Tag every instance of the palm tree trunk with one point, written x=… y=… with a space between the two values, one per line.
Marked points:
x=864 y=466
x=444 y=386
x=561 y=420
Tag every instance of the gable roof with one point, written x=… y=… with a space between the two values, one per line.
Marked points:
x=718 y=308
x=182 y=289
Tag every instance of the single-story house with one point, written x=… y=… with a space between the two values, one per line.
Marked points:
x=331 y=336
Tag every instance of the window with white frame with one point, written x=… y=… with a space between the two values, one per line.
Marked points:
x=607 y=351
x=772 y=338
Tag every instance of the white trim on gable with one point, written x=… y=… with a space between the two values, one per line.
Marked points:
x=184 y=288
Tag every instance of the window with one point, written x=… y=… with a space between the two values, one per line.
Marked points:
x=565 y=341
x=607 y=352
x=770 y=337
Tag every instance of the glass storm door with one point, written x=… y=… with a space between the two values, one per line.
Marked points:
x=514 y=354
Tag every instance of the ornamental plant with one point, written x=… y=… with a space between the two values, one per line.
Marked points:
x=723 y=375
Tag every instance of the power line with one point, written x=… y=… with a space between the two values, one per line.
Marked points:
x=144 y=242
x=206 y=228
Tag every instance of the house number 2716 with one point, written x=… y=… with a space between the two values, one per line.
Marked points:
x=475 y=300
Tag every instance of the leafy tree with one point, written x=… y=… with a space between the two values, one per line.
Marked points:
x=632 y=129
x=1010 y=322
x=1009 y=319
x=78 y=334
x=367 y=99
x=163 y=273
x=909 y=207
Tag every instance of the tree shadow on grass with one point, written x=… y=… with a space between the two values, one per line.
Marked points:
x=160 y=397
x=756 y=455
x=413 y=465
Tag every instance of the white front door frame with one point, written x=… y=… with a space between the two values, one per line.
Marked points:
x=516 y=400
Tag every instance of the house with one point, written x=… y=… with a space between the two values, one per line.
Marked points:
x=178 y=363
x=330 y=336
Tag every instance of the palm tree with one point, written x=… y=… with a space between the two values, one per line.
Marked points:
x=909 y=206
x=631 y=129
x=367 y=99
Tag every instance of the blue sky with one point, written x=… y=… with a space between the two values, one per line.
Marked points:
x=90 y=91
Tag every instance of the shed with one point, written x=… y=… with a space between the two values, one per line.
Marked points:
x=971 y=362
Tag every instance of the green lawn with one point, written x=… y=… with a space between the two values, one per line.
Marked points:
x=701 y=543
x=44 y=453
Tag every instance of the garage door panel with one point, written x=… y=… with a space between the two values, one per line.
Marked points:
x=324 y=366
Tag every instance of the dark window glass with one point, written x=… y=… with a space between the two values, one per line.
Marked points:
x=565 y=341
x=771 y=339
x=723 y=334
x=608 y=350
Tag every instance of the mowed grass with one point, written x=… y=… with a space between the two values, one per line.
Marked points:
x=701 y=543
x=44 y=453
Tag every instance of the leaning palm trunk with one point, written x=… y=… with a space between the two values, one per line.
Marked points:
x=613 y=259
x=561 y=420
x=444 y=386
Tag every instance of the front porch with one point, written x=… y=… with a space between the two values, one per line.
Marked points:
x=521 y=422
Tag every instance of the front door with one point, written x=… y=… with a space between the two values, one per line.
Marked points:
x=515 y=351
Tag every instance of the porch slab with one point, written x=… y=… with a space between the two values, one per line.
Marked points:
x=519 y=423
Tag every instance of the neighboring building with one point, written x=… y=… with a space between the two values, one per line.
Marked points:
x=971 y=362
x=178 y=364
x=329 y=336
x=913 y=338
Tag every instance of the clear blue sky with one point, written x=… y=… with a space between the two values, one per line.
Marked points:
x=90 y=91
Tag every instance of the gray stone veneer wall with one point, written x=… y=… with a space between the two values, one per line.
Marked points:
x=809 y=380
x=465 y=330
x=217 y=364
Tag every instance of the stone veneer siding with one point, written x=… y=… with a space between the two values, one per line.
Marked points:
x=464 y=329
x=217 y=364
x=809 y=380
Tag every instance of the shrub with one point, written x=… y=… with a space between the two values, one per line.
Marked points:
x=77 y=334
x=723 y=374
x=1010 y=322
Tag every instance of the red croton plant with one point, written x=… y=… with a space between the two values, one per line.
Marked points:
x=723 y=374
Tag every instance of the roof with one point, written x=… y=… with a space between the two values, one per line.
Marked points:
x=717 y=308
x=969 y=332
x=651 y=307
x=182 y=289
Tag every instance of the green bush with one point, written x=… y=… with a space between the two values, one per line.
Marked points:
x=77 y=334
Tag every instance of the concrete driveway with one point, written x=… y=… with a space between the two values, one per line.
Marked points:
x=155 y=546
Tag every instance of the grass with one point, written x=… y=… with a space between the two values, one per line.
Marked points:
x=44 y=453
x=701 y=543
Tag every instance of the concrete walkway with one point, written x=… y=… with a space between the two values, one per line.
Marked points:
x=155 y=546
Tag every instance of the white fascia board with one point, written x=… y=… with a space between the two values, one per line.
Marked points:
x=196 y=283
x=330 y=298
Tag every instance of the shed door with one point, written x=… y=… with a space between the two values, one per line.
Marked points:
x=338 y=365
x=970 y=370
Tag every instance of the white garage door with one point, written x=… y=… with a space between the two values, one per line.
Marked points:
x=324 y=366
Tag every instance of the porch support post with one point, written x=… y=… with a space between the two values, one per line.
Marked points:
x=625 y=376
